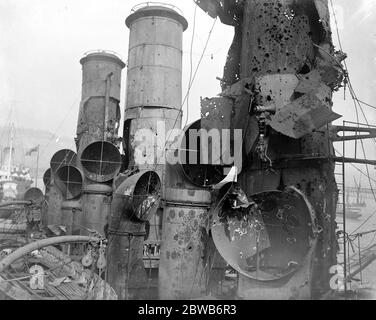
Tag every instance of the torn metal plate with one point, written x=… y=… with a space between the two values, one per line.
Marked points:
x=309 y=82
x=276 y=89
x=303 y=116
x=237 y=89
x=226 y=10
x=322 y=8
x=216 y=114
x=209 y=6
x=268 y=241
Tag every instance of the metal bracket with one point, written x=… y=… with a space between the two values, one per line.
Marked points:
x=355 y=160
x=334 y=130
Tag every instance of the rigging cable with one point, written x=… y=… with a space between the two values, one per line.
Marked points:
x=354 y=97
x=356 y=101
x=59 y=126
x=362 y=224
x=366 y=104
x=191 y=63
x=189 y=87
x=194 y=76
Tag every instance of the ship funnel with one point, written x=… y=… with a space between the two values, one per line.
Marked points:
x=154 y=79
x=99 y=113
x=99 y=116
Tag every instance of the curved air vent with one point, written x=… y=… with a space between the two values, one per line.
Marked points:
x=141 y=194
x=201 y=175
x=69 y=180
x=61 y=158
x=67 y=177
x=267 y=238
x=34 y=194
x=47 y=177
x=101 y=161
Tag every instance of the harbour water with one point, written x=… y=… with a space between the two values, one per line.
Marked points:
x=365 y=283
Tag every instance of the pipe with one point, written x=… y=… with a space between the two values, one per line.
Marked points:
x=354 y=160
x=336 y=129
x=126 y=272
x=107 y=104
x=8 y=260
x=11 y=203
x=126 y=232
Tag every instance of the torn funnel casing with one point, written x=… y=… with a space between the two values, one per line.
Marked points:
x=101 y=161
x=269 y=239
x=302 y=116
x=301 y=103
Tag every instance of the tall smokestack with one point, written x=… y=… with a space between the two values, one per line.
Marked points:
x=154 y=79
x=99 y=116
x=97 y=135
x=153 y=103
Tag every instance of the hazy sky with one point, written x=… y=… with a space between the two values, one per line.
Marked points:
x=42 y=42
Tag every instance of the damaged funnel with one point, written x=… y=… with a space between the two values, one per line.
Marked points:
x=183 y=271
x=101 y=161
x=99 y=113
x=266 y=238
x=302 y=116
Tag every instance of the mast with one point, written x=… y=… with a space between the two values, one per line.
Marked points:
x=10 y=151
x=36 y=173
